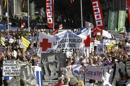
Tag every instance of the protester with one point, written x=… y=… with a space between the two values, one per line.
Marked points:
x=113 y=62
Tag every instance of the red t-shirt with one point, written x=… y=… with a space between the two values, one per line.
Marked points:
x=58 y=84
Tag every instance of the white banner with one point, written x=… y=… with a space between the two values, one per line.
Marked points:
x=94 y=72
x=11 y=68
x=68 y=41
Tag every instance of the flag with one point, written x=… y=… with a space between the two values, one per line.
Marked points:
x=84 y=32
x=86 y=36
x=50 y=13
x=25 y=42
x=46 y=42
x=112 y=20
x=38 y=75
x=86 y=40
x=98 y=15
x=2 y=41
x=121 y=21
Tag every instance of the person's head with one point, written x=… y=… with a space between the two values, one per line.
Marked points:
x=73 y=81
x=60 y=80
x=66 y=80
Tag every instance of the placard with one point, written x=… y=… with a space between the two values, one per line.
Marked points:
x=49 y=82
x=52 y=63
x=100 y=49
x=95 y=73
x=11 y=68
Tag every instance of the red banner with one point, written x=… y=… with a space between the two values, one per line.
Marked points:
x=128 y=6
x=50 y=13
x=97 y=11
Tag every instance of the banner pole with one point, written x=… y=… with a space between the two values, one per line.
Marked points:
x=8 y=16
x=53 y=14
x=81 y=10
x=28 y=17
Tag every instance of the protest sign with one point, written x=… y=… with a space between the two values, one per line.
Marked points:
x=94 y=72
x=52 y=62
x=100 y=49
x=49 y=82
x=11 y=68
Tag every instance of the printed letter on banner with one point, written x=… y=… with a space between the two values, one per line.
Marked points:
x=97 y=11
x=49 y=12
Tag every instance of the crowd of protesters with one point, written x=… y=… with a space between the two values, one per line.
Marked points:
x=12 y=49
x=117 y=57
x=117 y=74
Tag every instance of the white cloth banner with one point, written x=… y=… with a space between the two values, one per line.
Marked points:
x=46 y=42
x=68 y=41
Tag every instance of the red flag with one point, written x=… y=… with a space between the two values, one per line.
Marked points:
x=98 y=15
x=50 y=13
